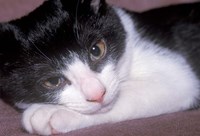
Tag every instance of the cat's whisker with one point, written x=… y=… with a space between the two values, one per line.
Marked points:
x=73 y=104
x=42 y=54
x=76 y=20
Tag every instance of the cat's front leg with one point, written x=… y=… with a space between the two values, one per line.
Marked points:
x=52 y=119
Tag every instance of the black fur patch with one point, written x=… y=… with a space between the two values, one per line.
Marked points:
x=37 y=46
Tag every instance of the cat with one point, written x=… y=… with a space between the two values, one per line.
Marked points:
x=72 y=64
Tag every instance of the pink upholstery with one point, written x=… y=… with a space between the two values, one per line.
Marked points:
x=176 y=124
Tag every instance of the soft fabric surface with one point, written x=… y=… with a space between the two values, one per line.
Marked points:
x=176 y=124
x=13 y=9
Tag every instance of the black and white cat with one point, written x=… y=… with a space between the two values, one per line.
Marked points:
x=75 y=63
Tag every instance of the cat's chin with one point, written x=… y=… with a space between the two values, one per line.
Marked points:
x=101 y=108
x=105 y=107
x=97 y=110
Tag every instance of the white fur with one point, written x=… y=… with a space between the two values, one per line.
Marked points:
x=76 y=95
x=148 y=81
x=159 y=81
x=22 y=105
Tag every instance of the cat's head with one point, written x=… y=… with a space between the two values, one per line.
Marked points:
x=65 y=52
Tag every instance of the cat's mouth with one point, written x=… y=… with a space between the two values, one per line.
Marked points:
x=98 y=108
x=90 y=108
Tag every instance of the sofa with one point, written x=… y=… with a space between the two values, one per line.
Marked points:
x=185 y=123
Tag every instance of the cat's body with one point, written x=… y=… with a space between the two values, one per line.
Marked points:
x=81 y=63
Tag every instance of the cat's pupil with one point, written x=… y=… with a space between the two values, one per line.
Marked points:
x=95 y=51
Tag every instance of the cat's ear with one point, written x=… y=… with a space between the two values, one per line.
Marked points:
x=96 y=5
x=84 y=6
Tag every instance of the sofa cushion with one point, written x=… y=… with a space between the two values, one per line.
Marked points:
x=185 y=123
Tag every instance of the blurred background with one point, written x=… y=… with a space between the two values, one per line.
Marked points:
x=12 y=9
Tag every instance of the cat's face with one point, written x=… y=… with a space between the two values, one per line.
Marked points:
x=63 y=55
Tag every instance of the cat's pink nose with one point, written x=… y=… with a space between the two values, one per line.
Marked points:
x=93 y=90
x=97 y=98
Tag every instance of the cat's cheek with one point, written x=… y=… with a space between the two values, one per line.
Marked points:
x=72 y=98
x=70 y=94
x=111 y=81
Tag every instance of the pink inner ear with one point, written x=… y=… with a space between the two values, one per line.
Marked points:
x=93 y=89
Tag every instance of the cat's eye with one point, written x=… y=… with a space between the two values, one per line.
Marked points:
x=98 y=50
x=54 y=82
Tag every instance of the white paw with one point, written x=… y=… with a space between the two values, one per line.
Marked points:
x=50 y=119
